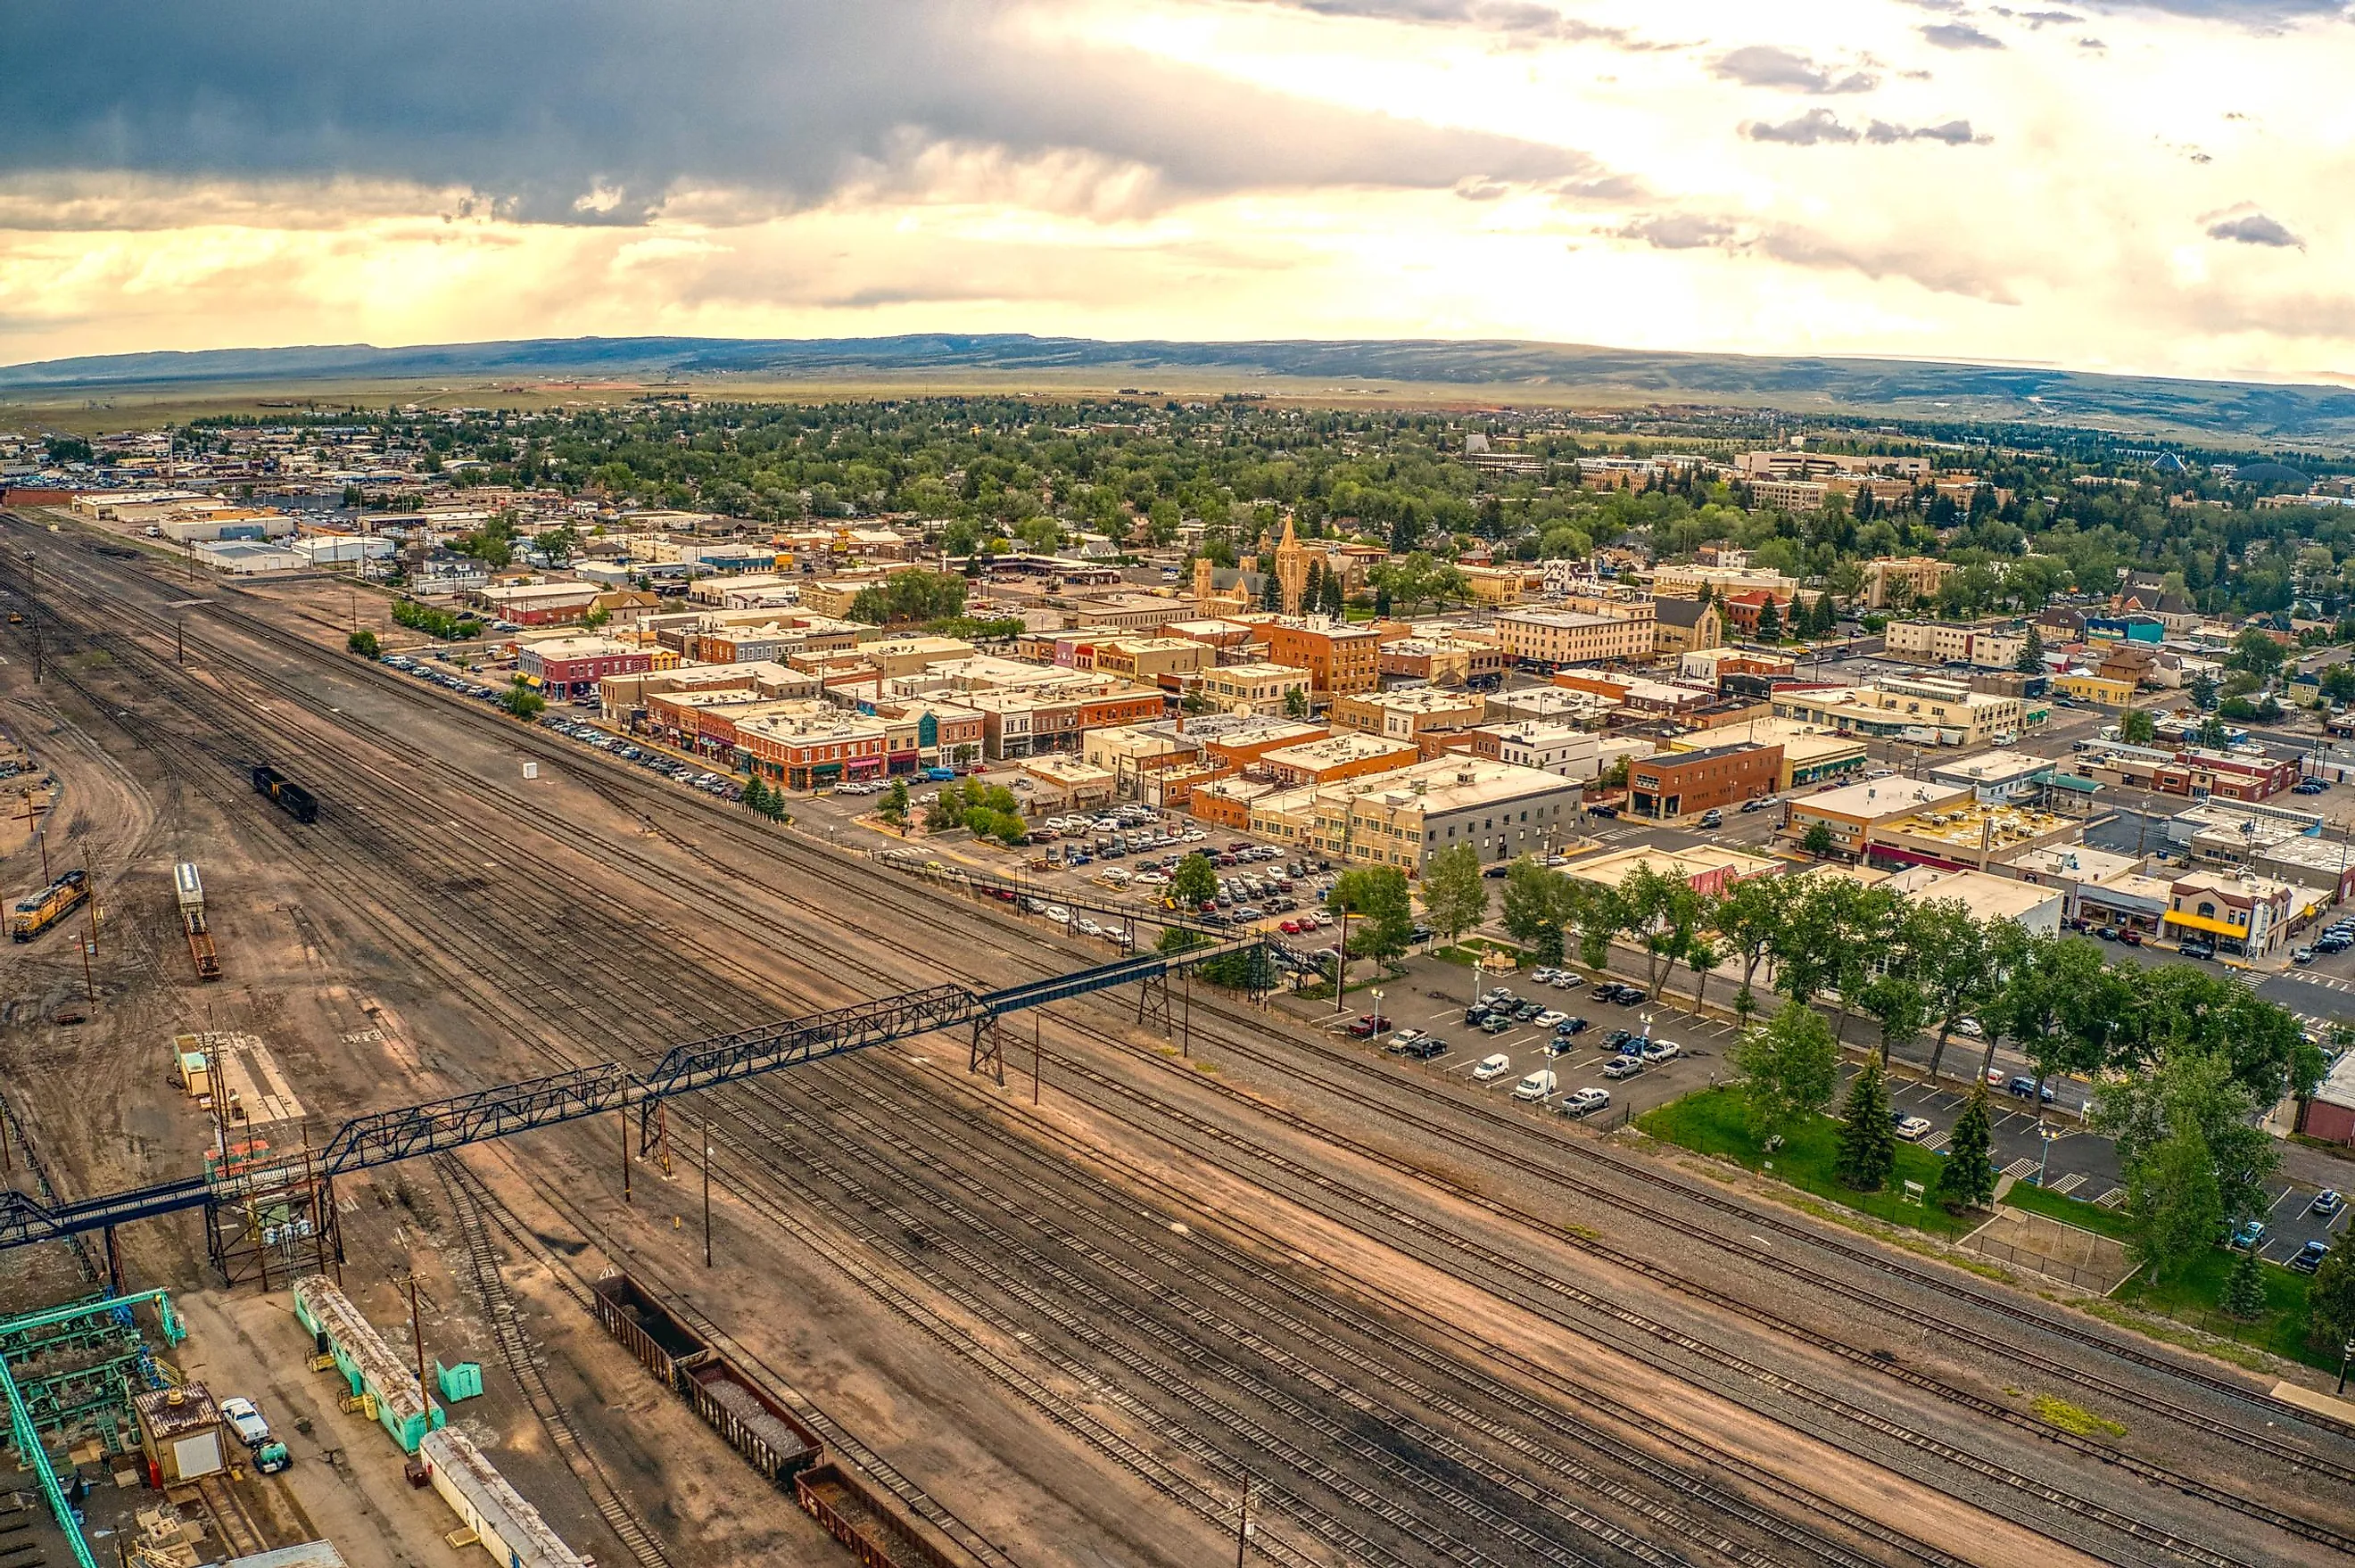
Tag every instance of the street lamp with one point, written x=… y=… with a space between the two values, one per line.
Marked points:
x=2051 y=1134
x=1381 y=1024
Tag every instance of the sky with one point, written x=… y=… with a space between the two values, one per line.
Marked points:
x=2151 y=185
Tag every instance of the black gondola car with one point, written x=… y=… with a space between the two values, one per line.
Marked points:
x=297 y=801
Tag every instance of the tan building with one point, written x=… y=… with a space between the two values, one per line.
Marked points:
x=1402 y=817
x=1334 y=757
x=1924 y=711
x=1686 y=580
x=1498 y=585
x=1913 y=578
x=1409 y=715
x=1851 y=812
x=1254 y=688
x=1339 y=659
x=1955 y=642
x=1550 y=639
x=1291 y=570
x=1164 y=662
x=1442 y=661
x=1683 y=626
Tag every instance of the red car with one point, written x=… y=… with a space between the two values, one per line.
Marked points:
x=1369 y=1025
x=1290 y=928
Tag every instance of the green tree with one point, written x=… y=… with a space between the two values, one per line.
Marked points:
x=1296 y=702
x=559 y=544
x=2031 y=653
x=756 y=794
x=1455 y=894
x=2244 y=1296
x=521 y=701
x=1789 y=1067
x=2173 y=1203
x=1770 y=621
x=1377 y=897
x=1896 y=1002
x=1534 y=908
x=364 y=644
x=1818 y=843
x=2191 y=1092
x=1271 y=590
x=1178 y=939
x=1334 y=597
x=1868 y=1142
x=1664 y=912
x=1750 y=918
x=2136 y=727
x=2331 y=1297
x=909 y=596
x=894 y=810
x=1163 y=521
x=1954 y=960
x=2255 y=651
x=1967 y=1180
x=1195 y=882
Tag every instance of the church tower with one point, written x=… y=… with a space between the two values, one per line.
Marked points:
x=1291 y=569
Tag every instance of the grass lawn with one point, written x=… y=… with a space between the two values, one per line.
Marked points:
x=2191 y=1295
x=1478 y=949
x=1715 y=1122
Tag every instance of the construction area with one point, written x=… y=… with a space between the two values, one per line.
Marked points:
x=424 y=1138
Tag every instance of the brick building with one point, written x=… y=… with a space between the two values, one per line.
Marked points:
x=1682 y=783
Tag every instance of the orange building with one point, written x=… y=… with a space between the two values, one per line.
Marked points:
x=1339 y=659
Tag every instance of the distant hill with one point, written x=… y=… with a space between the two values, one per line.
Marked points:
x=2223 y=410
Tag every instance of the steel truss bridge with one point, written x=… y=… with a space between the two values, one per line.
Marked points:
x=385 y=1138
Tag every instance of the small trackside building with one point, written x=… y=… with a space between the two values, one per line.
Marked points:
x=2329 y=1114
x=567 y=667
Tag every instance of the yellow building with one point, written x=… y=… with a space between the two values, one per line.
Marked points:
x=2095 y=688
x=1252 y=688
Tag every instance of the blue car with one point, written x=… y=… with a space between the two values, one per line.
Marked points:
x=2246 y=1238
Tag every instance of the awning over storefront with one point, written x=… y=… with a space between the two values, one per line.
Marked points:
x=2202 y=922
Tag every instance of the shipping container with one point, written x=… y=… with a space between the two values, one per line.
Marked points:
x=191 y=887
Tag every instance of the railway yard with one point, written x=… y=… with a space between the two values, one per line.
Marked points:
x=1165 y=1294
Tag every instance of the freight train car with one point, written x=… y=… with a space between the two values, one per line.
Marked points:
x=36 y=913
x=293 y=798
x=201 y=951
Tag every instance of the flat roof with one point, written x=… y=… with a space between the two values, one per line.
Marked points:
x=1992 y=767
x=1701 y=860
x=1876 y=800
x=1347 y=746
x=1986 y=897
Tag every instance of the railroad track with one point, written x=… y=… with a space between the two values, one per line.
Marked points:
x=517 y=1352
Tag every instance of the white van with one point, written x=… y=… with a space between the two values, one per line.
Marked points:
x=1535 y=1086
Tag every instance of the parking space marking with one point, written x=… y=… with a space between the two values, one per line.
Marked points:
x=2274 y=1207
x=2069 y=1183
x=2112 y=1198
x=2021 y=1167
x=1936 y=1141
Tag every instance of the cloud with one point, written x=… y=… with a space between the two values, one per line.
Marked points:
x=2256 y=228
x=1769 y=65
x=1679 y=231
x=1960 y=36
x=1818 y=127
x=1522 y=20
x=601 y=112
x=1935 y=265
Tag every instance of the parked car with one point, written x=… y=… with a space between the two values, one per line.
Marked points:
x=1491 y=1068
x=1570 y=1026
x=2325 y=1203
x=2309 y=786
x=1623 y=1067
x=1495 y=1023
x=2204 y=950
x=2309 y=1256
x=1617 y=1039
x=1369 y=1025
x=1970 y=1028
x=2302 y=955
x=1630 y=996
x=1662 y=1050
x=1550 y=1018
x=1712 y=817
x=1911 y=1128
x=1402 y=1041
x=2249 y=1236
x=1428 y=1047
x=1757 y=803
x=1584 y=1102
x=2106 y=932
x=1537 y=1085
x=2129 y=937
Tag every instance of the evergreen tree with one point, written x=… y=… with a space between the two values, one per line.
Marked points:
x=1383 y=600
x=1271 y=592
x=1312 y=592
x=2032 y=653
x=2244 y=1296
x=1968 y=1181
x=756 y=794
x=2331 y=1297
x=1868 y=1142
x=1769 y=622
x=1335 y=600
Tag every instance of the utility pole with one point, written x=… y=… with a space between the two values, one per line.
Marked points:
x=625 y=1115
x=707 y=1188
x=1034 y=1059
x=1243 y=1520
x=417 y=1337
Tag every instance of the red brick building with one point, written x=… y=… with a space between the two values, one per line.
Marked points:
x=567 y=667
x=1683 y=784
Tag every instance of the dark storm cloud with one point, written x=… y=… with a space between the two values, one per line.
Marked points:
x=587 y=111
x=1960 y=36
x=2256 y=228
x=1770 y=65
